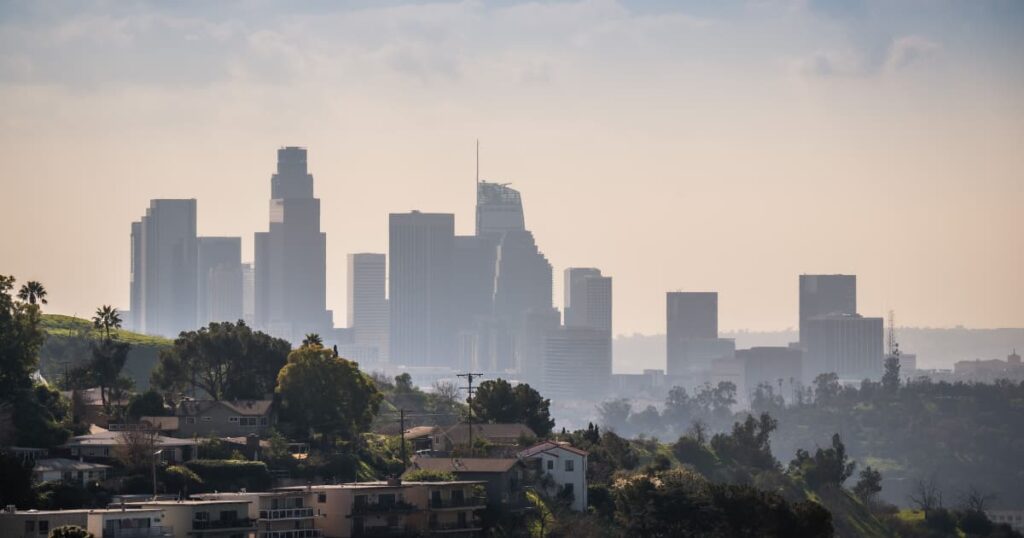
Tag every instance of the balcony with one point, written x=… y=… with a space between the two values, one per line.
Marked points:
x=287 y=513
x=148 y=532
x=383 y=507
x=467 y=502
x=445 y=527
x=292 y=533
x=220 y=524
x=384 y=530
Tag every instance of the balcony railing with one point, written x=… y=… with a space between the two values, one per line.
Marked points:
x=286 y=513
x=147 y=532
x=215 y=524
x=454 y=526
x=379 y=507
x=292 y=533
x=384 y=530
x=458 y=503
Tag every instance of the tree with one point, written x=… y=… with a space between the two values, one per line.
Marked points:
x=147 y=404
x=748 y=445
x=104 y=370
x=70 y=531
x=33 y=292
x=228 y=361
x=326 y=394
x=135 y=448
x=869 y=485
x=106 y=318
x=614 y=413
x=828 y=467
x=20 y=340
x=925 y=495
x=826 y=387
x=16 y=477
x=891 y=377
x=499 y=401
x=678 y=406
x=312 y=339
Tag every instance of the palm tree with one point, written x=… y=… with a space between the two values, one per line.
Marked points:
x=312 y=339
x=32 y=292
x=106 y=318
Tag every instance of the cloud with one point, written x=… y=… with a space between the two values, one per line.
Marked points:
x=909 y=50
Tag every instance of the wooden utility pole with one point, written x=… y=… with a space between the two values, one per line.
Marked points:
x=469 y=389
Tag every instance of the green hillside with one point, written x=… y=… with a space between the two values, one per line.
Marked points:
x=68 y=341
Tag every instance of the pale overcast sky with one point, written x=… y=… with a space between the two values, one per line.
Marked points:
x=717 y=145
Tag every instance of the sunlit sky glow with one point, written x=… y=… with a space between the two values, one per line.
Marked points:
x=718 y=145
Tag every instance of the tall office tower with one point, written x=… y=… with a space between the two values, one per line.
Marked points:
x=848 y=345
x=219 y=278
x=291 y=257
x=248 y=293
x=779 y=367
x=499 y=209
x=692 y=333
x=588 y=299
x=531 y=346
x=419 y=288
x=163 y=273
x=367 y=302
x=821 y=295
x=577 y=363
x=473 y=269
x=522 y=284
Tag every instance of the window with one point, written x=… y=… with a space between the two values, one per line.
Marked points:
x=551 y=464
x=321 y=497
x=569 y=466
x=263 y=421
x=233 y=419
x=228 y=515
x=202 y=516
x=567 y=491
x=44 y=528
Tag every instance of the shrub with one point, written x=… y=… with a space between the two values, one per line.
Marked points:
x=429 y=475
x=231 y=475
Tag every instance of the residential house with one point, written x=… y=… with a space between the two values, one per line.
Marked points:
x=105 y=523
x=278 y=514
x=213 y=418
x=104 y=445
x=566 y=467
x=205 y=519
x=500 y=437
x=70 y=471
x=87 y=405
x=395 y=508
x=503 y=477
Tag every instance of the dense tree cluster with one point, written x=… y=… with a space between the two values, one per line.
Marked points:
x=498 y=401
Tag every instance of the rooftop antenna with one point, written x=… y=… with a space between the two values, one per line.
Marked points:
x=893 y=345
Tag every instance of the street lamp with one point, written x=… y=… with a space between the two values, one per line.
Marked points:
x=155 y=454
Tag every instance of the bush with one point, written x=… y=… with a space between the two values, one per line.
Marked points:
x=428 y=475
x=70 y=531
x=231 y=475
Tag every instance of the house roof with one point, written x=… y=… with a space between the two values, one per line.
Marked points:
x=108 y=438
x=161 y=423
x=459 y=433
x=242 y=407
x=420 y=431
x=463 y=465
x=550 y=446
x=65 y=464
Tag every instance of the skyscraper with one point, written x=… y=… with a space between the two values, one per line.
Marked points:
x=577 y=363
x=291 y=257
x=821 y=295
x=367 y=301
x=499 y=209
x=692 y=333
x=419 y=288
x=219 y=279
x=848 y=345
x=163 y=273
x=522 y=284
x=588 y=299
x=249 y=293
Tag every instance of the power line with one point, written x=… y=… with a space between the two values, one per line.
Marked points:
x=469 y=389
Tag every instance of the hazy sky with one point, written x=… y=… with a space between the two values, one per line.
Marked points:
x=718 y=145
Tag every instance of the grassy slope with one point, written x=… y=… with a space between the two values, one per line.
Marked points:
x=63 y=347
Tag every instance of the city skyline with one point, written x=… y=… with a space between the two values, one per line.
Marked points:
x=876 y=144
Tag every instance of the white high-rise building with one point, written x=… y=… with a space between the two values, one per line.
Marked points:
x=291 y=257
x=163 y=272
x=367 y=302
